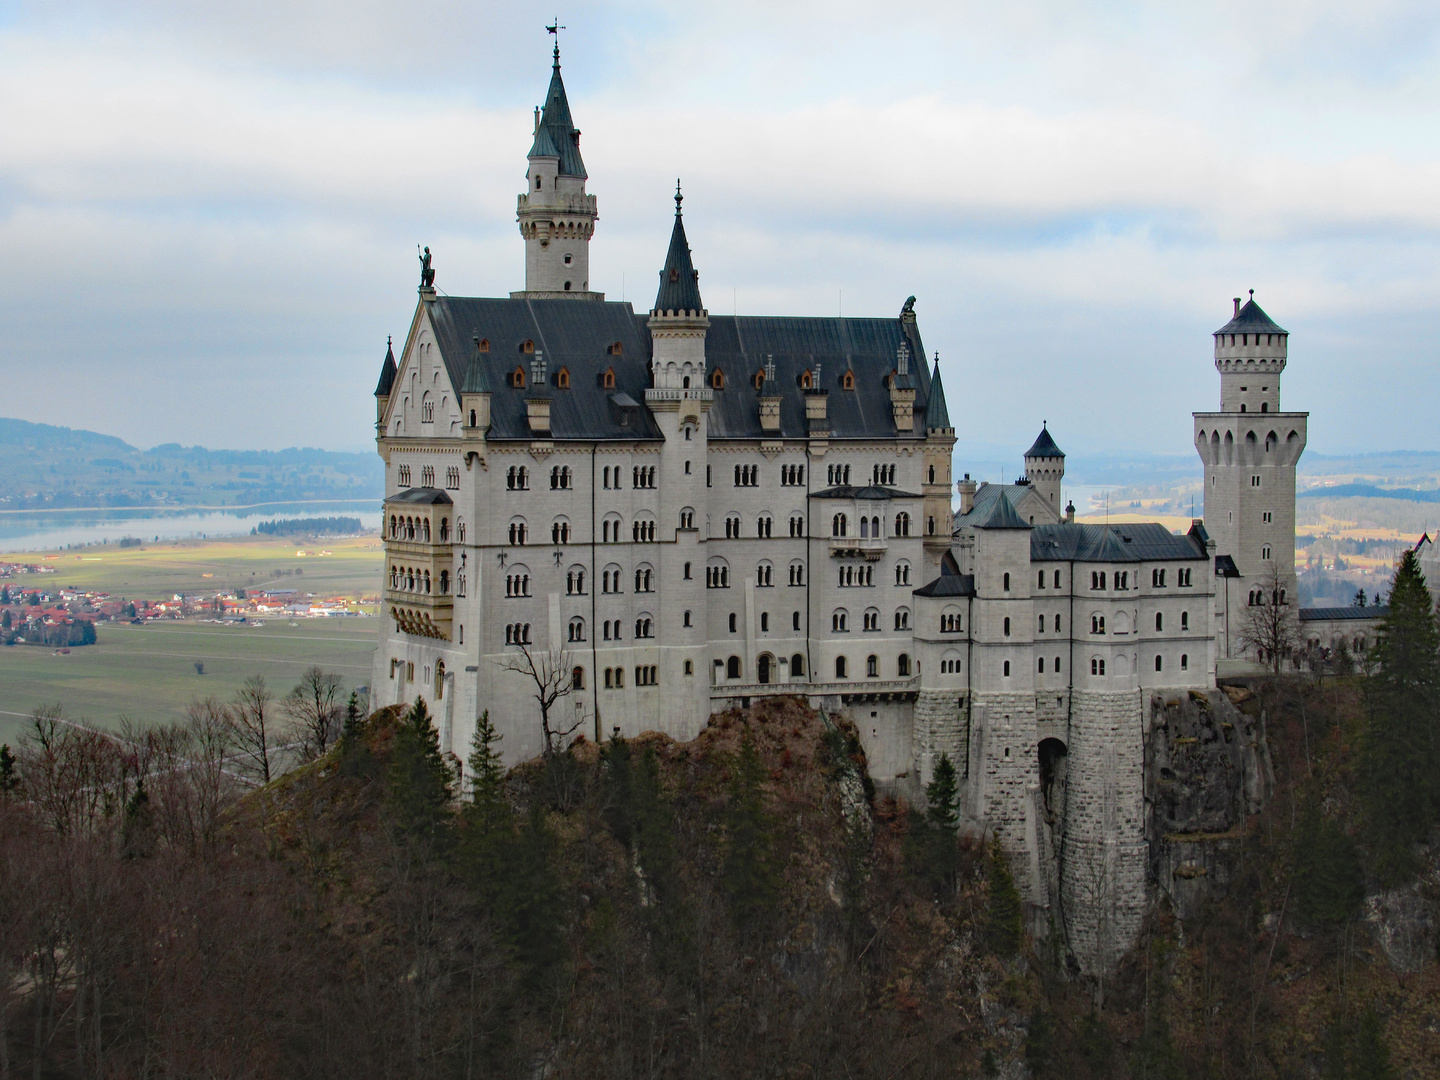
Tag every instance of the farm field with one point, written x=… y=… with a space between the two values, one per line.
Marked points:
x=351 y=568
x=148 y=672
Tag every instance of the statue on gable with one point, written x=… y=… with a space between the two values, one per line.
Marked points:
x=908 y=309
x=427 y=272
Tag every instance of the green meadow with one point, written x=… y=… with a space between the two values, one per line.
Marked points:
x=147 y=673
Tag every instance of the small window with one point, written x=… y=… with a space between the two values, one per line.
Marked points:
x=1159 y=663
x=806 y=380
x=847 y=381
x=1159 y=621
x=717 y=379
x=685 y=619
x=689 y=667
x=615 y=349
x=607 y=379
x=759 y=379
x=1007 y=626
x=562 y=378
x=527 y=346
x=517 y=378
x=1006 y=587
x=733 y=620
x=484 y=345
x=1007 y=669
x=1184 y=620
x=840 y=667
x=1184 y=662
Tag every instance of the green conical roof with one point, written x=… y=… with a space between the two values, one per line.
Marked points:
x=557 y=135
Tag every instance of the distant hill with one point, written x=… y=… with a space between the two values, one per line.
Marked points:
x=43 y=466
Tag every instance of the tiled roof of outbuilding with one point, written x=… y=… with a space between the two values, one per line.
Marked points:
x=1335 y=614
x=1140 y=542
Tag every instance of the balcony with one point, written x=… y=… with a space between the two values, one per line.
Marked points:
x=422 y=614
x=692 y=394
x=858 y=547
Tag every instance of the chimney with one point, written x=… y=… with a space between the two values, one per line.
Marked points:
x=1070 y=513
x=1237 y=306
x=537 y=119
x=902 y=359
x=537 y=402
x=816 y=405
x=769 y=399
x=966 y=488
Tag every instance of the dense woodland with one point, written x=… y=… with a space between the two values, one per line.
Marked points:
x=742 y=905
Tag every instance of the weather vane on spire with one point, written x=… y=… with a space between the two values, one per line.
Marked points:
x=555 y=28
x=678 y=197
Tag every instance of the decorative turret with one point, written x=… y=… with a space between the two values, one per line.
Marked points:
x=1250 y=354
x=939 y=446
x=1045 y=468
x=388 y=371
x=475 y=395
x=678 y=320
x=937 y=414
x=556 y=216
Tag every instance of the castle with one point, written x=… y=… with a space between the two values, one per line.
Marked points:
x=656 y=515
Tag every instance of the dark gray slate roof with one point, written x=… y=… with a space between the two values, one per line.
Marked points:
x=1143 y=542
x=937 y=415
x=576 y=334
x=1044 y=446
x=849 y=491
x=421 y=496
x=387 y=372
x=998 y=514
x=679 y=280
x=950 y=582
x=572 y=334
x=739 y=346
x=557 y=135
x=1327 y=614
x=1225 y=566
x=1251 y=320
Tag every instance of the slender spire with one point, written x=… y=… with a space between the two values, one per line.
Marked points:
x=557 y=136
x=937 y=415
x=388 y=370
x=679 y=281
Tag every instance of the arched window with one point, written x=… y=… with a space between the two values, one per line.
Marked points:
x=517 y=532
x=847 y=381
x=575 y=581
x=872 y=667
x=1159 y=663
x=839 y=621
x=902 y=619
x=840 y=667
x=517 y=378
x=797 y=573
x=903 y=665
x=902 y=524
x=1159 y=621
x=576 y=630
x=838 y=525
x=1006 y=583
x=1007 y=669
x=577 y=678
x=562 y=379
x=732 y=668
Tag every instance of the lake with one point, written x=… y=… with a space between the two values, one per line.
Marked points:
x=48 y=530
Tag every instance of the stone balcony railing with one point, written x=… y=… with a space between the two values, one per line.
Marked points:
x=692 y=394
x=424 y=614
x=868 y=547
x=804 y=688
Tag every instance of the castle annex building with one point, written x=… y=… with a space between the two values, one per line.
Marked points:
x=669 y=511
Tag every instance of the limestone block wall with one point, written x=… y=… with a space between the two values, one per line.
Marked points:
x=940 y=727
x=1003 y=780
x=1103 y=849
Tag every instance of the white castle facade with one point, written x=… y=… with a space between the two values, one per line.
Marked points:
x=682 y=511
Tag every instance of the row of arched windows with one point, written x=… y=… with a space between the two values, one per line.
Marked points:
x=870 y=527
x=410 y=579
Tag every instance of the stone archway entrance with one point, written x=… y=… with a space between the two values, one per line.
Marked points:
x=765 y=668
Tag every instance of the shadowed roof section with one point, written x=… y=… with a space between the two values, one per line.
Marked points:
x=1000 y=514
x=421 y=496
x=557 y=135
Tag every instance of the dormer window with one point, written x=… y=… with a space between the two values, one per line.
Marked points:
x=847 y=381
x=527 y=346
x=607 y=378
x=759 y=379
x=674 y=274
x=615 y=349
x=717 y=379
x=484 y=345
x=806 y=380
x=517 y=378
x=562 y=378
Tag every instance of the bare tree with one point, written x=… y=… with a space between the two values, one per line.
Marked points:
x=315 y=710
x=552 y=672
x=1270 y=626
x=254 y=729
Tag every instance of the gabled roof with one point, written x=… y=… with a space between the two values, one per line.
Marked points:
x=937 y=416
x=950 y=582
x=475 y=381
x=679 y=280
x=421 y=496
x=1142 y=542
x=1044 y=446
x=557 y=135
x=388 y=372
x=1251 y=319
x=1000 y=514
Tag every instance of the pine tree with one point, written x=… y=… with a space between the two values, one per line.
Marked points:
x=1004 y=922
x=487 y=807
x=1397 y=774
x=751 y=878
x=1328 y=881
x=9 y=773
x=137 y=829
x=941 y=794
x=418 y=788
x=350 y=731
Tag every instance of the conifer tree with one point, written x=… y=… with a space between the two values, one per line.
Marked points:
x=137 y=828
x=489 y=822
x=941 y=793
x=1397 y=767
x=751 y=877
x=9 y=774
x=418 y=789
x=1328 y=881
x=1004 y=922
x=350 y=731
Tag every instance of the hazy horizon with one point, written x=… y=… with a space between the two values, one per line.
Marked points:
x=212 y=213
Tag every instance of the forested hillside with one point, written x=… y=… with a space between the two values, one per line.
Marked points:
x=43 y=466
x=737 y=906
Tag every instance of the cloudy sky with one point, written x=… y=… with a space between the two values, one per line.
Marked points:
x=208 y=212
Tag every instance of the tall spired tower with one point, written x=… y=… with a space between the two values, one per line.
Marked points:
x=1250 y=449
x=556 y=217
